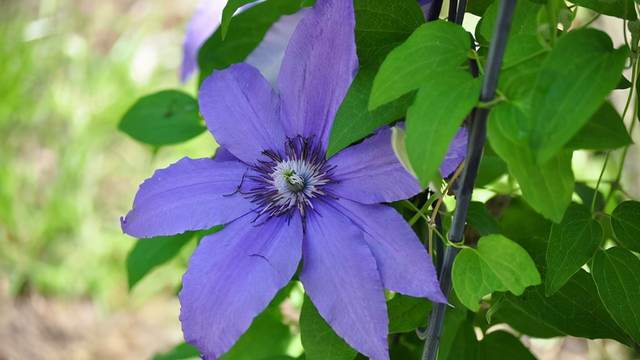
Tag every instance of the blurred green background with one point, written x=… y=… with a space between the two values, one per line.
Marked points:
x=69 y=69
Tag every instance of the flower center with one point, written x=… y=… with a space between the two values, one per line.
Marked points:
x=283 y=183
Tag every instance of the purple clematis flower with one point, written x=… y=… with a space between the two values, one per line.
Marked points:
x=282 y=201
x=205 y=21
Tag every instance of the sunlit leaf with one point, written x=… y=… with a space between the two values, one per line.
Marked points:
x=437 y=113
x=547 y=187
x=434 y=47
x=498 y=264
x=179 y=352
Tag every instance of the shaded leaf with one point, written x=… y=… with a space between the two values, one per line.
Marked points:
x=574 y=310
x=163 y=118
x=437 y=113
x=571 y=244
x=616 y=272
x=147 y=254
x=243 y=35
x=318 y=339
x=227 y=14
x=479 y=218
x=625 y=221
x=502 y=345
x=491 y=167
x=455 y=332
x=572 y=83
x=381 y=25
x=520 y=223
x=434 y=47
x=498 y=264
x=586 y=194
x=605 y=130
x=354 y=121
x=407 y=313
x=266 y=338
x=465 y=344
x=619 y=8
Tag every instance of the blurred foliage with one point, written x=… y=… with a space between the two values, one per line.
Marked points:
x=70 y=69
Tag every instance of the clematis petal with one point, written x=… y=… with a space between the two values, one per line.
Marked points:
x=340 y=276
x=204 y=21
x=318 y=67
x=242 y=111
x=188 y=195
x=371 y=173
x=404 y=264
x=455 y=154
x=222 y=154
x=267 y=57
x=232 y=276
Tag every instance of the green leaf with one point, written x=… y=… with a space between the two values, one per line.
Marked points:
x=619 y=8
x=523 y=20
x=586 y=194
x=404 y=346
x=147 y=254
x=491 y=167
x=500 y=345
x=381 y=25
x=571 y=244
x=574 y=310
x=522 y=61
x=434 y=47
x=520 y=223
x=574 y=79
x=465 y=344
x=227 y=14
x=318 y=339
x=163 y=118
x=604 y=131
x=243 y=35
x=407 y=313
x=179 y=352
x=623 y=83
x=616 y=272
x=478 y=7
x=479 y=218
x=625 y=220
x=434 y=118
x=354 y=121
x=455 y=330
x=546 y=187
x=498 y=264
x=267 y=337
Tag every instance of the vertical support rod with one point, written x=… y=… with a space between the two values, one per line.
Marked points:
x=475 y=147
